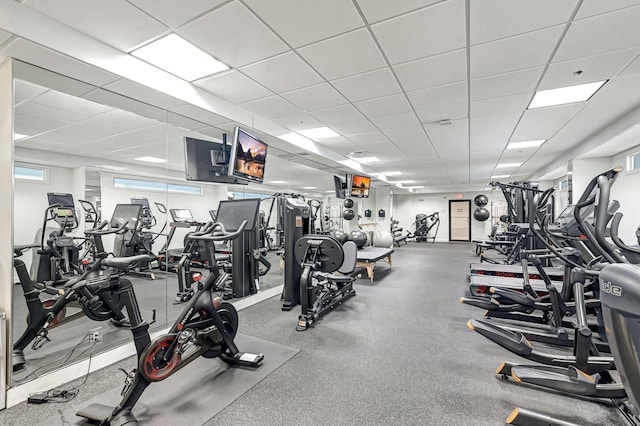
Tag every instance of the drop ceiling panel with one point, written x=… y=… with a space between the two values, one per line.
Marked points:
x=143 y=93
x=448 y=112
x=429 y=31
x=43 y=143
x=4 y=36
x=126 y=119
x=304 y=22
x=496 y=19
x=368 y=85
x=37 y=125
x=514 y=53
x=185 y=122
x=412 y=141
x=271 y=107
x=71 y=104
x=234 y=87
x=340 y=145
x=354 y=128
x=365 y=139
x=376 y=10
x=499 y=85
x=452 y=141
x=200 y=114
x=283 y=73
x=166 y=11
x=438 y=96
x=492 y=133
x=601 y=34
x=503 y=105
x=384 y=106
x=597 y=7
x=218 y=34
x=446 y=68
x=299 y=122
x=25 y=91
x=595 y=68
x=334 y=58
x=544 y=122
x=106 y=97
x=320 y=96
x=389 y=122
x=109 y=127
x=98 y=19
x=386 y=152
x=48 y=59
x=339 y=114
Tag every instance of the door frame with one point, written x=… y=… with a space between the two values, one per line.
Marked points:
x=469 y=223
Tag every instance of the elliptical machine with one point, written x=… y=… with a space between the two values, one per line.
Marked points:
x=206 y=327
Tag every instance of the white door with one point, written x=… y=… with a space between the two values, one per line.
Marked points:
x=459 y=220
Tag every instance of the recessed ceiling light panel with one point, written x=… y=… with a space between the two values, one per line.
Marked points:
x=318 y=133
x=526 y=144
x=565 y=95
x=508 y=165
x=174 y=54
x=499 y=176
x=152 y=159
x=363 y=157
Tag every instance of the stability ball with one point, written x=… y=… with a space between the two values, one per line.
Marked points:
x=340 y=235
x=382 y=239
x=481 y=214
x=481 y=200
x=358 y=237
x=348 y=203
x=348 y=214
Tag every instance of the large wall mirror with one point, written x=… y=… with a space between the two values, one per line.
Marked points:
x=98 y=150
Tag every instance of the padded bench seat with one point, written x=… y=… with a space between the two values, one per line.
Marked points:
x=368 y=256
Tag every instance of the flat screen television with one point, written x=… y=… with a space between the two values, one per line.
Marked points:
x=248 y=155
x=340 y=186
x=360 y=186
x=60 y=199
x=207 y=161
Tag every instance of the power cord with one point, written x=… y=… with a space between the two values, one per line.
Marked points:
x=62 y=395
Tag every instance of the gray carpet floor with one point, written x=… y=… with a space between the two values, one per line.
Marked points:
x=397 y=353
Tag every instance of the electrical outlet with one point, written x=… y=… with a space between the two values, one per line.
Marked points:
x=95 y=335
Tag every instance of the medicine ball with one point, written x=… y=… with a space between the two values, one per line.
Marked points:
x=340 y=235
x=358 y=237
x=481 y=214
x=481 y=200
x=348 y=203
x=348 y=214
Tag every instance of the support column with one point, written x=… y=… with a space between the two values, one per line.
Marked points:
x=6 y=217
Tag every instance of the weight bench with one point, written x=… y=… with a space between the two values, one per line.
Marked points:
x=368 y=256
x=400 y=238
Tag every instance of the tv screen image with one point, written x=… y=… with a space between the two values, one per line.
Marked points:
x=248 y=155
x=360 y=186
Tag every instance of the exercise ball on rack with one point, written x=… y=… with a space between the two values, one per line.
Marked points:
x=481 y=214
x=340 y=235
x=359 y=237
x=348 y=203
x=481 y=200
x=348 y=214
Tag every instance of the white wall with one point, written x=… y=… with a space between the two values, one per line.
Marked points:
x=198 y=204
x=407 y=206
x=625 y=190
x=584 y=170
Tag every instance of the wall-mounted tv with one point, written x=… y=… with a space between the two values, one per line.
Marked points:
x=248 y=156
x=207 y=161
x=340 y=187
x=360 y=186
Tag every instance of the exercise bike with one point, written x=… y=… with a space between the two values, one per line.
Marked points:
x=47 y=314
x=206 y=327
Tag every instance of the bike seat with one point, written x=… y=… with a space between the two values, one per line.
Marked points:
x=126 y=262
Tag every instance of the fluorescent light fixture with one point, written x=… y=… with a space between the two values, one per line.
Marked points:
x=152 y=159
x=174 y=54
x=301 y=142
x=565 y=95
x=318 y=133
x=116 y=168
x=18 y=136
x=526 y=144
x=278 y=182
x=508 y=165
x=308 y=187
x=499 y=176
x=403 y=181
x=392 y=173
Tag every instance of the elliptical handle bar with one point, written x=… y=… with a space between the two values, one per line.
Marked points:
x=221 y=235
x=101 y=231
